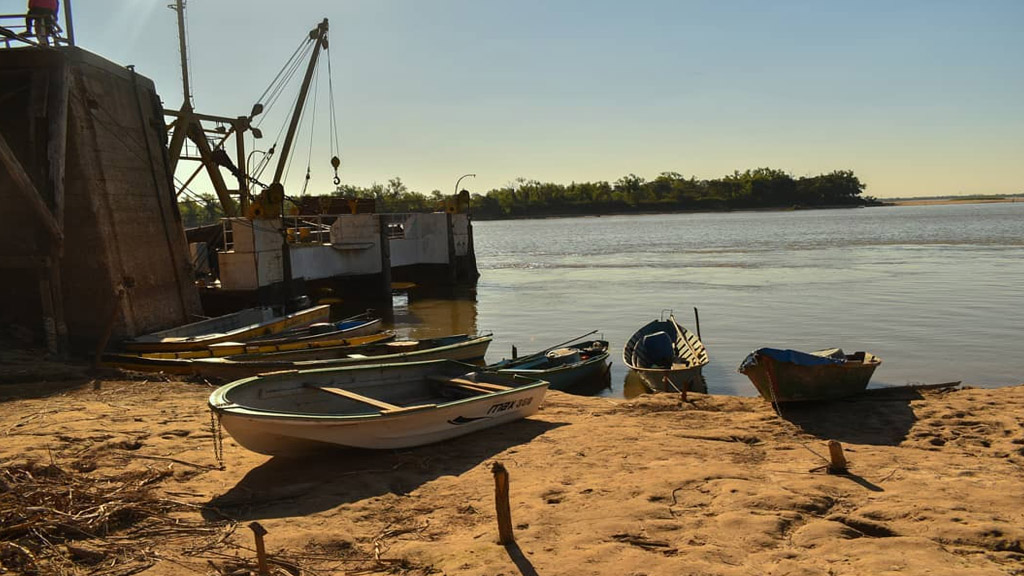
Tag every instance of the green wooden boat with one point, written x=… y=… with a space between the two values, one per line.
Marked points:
x=793 y=376
x=566 y=367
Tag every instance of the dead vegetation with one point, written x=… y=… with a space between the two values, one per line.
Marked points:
x=59 y=521
x=65 y=522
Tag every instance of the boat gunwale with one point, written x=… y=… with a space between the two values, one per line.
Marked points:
x=557 y=369
x=282 y=338
x=765 y=369
x=583 y=346
x=325 y=363
x=156 y=338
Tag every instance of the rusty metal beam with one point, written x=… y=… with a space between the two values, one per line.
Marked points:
x=195 y=133
x=181 y=128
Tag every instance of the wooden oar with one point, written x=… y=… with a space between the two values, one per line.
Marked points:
x=357 y=316
x=570 y=341
x=546 y=350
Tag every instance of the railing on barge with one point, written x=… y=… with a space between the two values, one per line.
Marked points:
x=14 y=30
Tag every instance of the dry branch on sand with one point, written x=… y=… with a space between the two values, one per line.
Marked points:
x=58 y=521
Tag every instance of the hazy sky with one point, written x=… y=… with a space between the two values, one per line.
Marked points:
x=917 y=97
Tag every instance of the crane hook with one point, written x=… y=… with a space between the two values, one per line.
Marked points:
x=335 y=163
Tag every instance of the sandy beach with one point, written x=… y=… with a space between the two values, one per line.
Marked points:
x=121 y=476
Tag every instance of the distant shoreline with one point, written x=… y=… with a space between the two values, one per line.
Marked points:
x=878 y=202
x=953 y=200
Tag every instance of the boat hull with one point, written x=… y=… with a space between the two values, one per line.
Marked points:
x=292 y=434
x=685 y=379
x=302 y=336
x=684 y=359
x=566 y=376
x=471 y=350
x=780 y=382
x=225 y=349
x=240 y=326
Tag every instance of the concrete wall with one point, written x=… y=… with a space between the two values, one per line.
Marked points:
x=255 y=260
x=425 y=241
x=255 y=256
x=121 y=224
x=461 y=232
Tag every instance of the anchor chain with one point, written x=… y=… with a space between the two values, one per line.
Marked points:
x=218 y=438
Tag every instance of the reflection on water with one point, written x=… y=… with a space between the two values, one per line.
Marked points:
x=636 y=384
x=418 y=313
x=910 y=284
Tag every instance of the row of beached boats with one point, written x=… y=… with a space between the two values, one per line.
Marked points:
x=669 y=357
x=302 y=382
x=253 y=342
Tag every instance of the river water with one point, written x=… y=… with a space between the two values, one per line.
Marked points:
x=936 y=291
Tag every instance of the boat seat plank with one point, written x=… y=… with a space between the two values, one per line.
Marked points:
x=469 y=384
x=404 y=409
x=470 y=388
x=357 y=397
x=484 y=385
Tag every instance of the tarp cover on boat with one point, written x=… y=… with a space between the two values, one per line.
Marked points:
x=820 y=358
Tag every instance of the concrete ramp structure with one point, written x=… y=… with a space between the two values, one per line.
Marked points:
x=91 y=241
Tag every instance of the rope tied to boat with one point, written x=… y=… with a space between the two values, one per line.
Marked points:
x=772 y=387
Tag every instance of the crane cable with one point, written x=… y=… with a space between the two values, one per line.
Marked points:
x=335 y=142
x=312 y=124
x=273 y=93
x=283 y=76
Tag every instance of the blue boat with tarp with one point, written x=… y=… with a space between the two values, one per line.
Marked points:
x=783 y=375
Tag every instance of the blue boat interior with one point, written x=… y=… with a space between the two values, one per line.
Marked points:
x=656 y=350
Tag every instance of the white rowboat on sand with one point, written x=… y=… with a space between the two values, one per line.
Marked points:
x=379 y=407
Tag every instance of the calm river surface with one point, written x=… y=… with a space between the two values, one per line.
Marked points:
x=936 y=291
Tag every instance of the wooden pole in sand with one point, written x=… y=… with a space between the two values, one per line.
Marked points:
x=501 y=505
x=838 y=460
x=258 y=531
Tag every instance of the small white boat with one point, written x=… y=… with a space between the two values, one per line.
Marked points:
x=378 y=407
x=667 y=356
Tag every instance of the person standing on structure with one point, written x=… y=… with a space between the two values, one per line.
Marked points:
x=44 y=14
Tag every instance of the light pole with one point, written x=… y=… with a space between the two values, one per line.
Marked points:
x=460 y=180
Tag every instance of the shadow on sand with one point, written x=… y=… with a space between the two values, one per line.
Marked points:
x=284 y=487
x=515 y=553
x=877 y=417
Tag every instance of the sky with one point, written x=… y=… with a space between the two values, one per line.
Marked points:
x=918 y=98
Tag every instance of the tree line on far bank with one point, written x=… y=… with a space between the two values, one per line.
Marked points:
x=669 y=192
